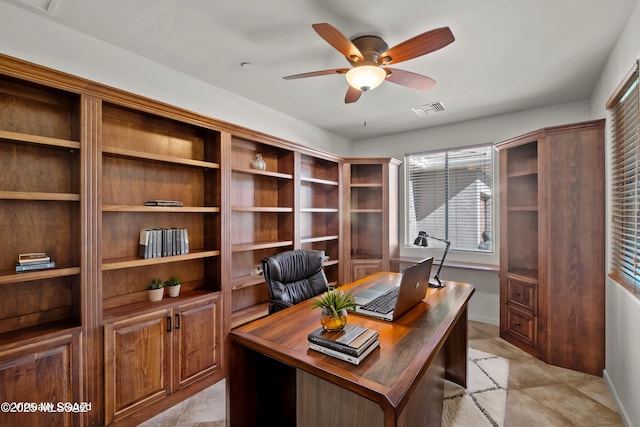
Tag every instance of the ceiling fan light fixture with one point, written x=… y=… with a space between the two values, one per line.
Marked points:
x=366 y=77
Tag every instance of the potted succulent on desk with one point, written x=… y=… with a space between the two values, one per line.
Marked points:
x=173 y=286
x=334 y=305
x=156 y=290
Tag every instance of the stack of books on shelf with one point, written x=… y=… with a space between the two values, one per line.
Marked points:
x=161 y=242
x=352 y=344
x=34 y=261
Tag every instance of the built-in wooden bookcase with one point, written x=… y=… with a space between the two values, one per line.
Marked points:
x=145 y=158
x=40 y=211
x=320 y=211
x=373 y=209
x=262 y=221
x=39 y=204
x=552 y=244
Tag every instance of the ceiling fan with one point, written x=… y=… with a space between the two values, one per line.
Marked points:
x=370 y=55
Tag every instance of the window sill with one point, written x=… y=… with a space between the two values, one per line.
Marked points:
x=451 y=264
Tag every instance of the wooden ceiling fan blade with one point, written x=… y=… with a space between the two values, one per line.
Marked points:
x=409 y=79
x=317 y=73
x=352 y=95
x=417 y=46
x=338 y=40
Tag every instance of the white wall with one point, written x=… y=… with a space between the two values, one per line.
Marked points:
x=622 y=371
x=484 y=305
x=33 y=38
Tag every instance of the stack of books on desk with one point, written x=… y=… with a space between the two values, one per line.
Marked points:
x=34 y=261
x=352 y=344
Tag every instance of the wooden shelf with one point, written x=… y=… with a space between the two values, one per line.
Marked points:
x=132 y=154
x=246 y=282
x=241 y=247
x=35 y=334
x=155 y=209
x=522 y=173
x=264 y=209
x=318 y=239
x=140 y=262
x=330 y=263
x=318 y=181
x=39 y=196
x=263 y=173
x=240 y=317
x=11 y=276
x=524 y=274
x=39 y=140
x=141 y=307
x=366 y=210
x=366 y=185
x=319 y=210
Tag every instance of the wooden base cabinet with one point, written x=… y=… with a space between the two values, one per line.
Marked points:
x=552 y=270
x=152 y=355
x=46 y=373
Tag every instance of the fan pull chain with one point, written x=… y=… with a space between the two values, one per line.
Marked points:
x=363 y=110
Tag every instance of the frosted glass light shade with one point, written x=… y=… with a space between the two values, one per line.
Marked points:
x=366 y=77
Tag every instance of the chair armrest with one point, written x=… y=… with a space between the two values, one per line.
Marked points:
x=278 y=305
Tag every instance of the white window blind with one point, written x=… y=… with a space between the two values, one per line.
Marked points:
x=625 y=183
x=449 y=195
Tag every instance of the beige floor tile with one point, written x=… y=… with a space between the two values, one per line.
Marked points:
x=597 y=390
x=573 y=405
x=524 y=411
x=539 y=395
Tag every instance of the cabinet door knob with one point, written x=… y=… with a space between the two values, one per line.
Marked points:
x=169 y=324
x=177 y=320
x=517 y=325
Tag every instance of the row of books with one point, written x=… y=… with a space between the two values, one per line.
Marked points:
x=352 y=344
x=34 y=261
x=161 y=242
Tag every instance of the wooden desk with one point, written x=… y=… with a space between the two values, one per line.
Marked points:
x=274 y=379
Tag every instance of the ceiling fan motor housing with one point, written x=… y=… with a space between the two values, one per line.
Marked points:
x=371 y=47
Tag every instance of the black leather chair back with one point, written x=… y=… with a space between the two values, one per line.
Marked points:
x=293 y=277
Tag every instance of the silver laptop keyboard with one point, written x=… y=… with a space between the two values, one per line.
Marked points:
x=384 y=303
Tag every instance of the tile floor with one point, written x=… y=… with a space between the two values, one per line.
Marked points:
x=539 y=395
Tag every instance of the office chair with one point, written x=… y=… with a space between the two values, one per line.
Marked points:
x=292 y=277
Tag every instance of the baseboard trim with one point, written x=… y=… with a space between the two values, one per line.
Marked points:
x=483 y=319
x=616 y=398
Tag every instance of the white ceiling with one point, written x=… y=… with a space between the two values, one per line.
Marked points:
x=509 y=55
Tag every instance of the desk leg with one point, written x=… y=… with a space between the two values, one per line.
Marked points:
x=457 y=351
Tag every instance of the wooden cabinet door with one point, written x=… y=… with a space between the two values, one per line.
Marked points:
x=196 y=341
x=137 y=362
x=47 y=373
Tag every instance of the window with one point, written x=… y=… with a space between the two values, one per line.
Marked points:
x=449 y=195
x=625 y=184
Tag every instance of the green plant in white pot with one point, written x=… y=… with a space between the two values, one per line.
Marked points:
x=155 y=290
x=173 y=286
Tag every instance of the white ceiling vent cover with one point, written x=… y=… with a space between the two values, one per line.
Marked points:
x=46 y=6
x=428 y=109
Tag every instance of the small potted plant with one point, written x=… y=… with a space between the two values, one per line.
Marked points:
x=173 y=286
x=334 y=305
x=156 y=290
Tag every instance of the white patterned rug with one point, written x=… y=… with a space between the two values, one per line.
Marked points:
x=484 y=401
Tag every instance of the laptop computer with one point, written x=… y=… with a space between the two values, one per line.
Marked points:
x=388 y=302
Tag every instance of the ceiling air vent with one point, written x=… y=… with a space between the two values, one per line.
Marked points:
x=46 y=6
x=428 y=109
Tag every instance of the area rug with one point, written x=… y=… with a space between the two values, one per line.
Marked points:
x=483 y=402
